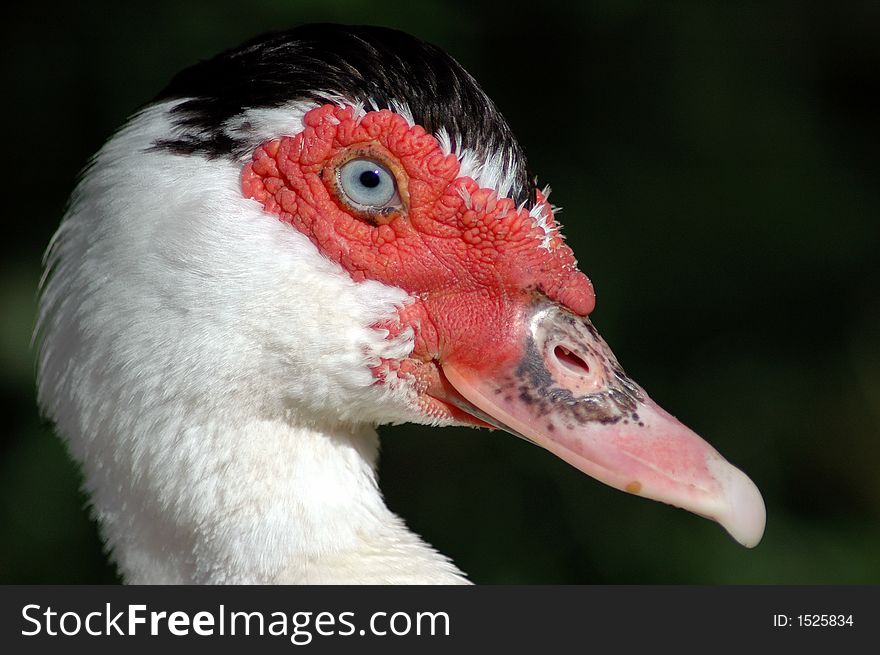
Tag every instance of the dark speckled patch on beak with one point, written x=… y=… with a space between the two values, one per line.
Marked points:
x=566 y=392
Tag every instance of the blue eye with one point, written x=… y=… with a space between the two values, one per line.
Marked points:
x=367 y=184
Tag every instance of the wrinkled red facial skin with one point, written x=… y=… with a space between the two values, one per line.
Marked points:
x=471 y=261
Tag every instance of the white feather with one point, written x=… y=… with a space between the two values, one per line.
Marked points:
x=494 y=172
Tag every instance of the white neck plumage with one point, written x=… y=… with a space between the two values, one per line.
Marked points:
x=269 y=503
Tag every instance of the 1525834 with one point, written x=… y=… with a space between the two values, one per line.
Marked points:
x=824 y=620
x=813 y=620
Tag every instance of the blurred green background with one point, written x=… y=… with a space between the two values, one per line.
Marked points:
x=718 y=166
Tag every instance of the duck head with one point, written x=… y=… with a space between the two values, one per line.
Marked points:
x=324 y=230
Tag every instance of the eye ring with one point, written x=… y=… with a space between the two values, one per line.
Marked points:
x=368 y=182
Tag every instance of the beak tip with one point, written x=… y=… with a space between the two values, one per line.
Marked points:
x=744 y=515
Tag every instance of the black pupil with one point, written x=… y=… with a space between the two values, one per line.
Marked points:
x=370 y=179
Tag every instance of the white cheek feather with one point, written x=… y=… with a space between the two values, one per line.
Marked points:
x=494 y=172
x=209 y=368
x=541 y=215
x=497 y=172
x=402 y=109
x=257 y=126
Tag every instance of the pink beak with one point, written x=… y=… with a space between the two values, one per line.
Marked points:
x=565 y=391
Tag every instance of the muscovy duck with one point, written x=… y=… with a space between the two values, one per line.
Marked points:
x=321 y=231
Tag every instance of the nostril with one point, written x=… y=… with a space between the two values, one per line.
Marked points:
x=571 y=362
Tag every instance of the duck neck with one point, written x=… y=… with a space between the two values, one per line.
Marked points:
x=266 y=503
